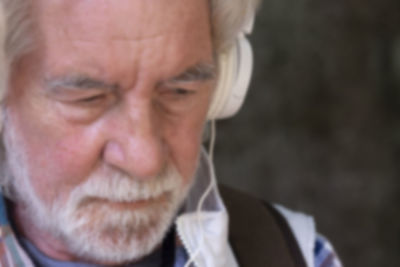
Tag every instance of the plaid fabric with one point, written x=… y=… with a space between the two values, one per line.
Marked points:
x=324 y=254
x=11 y=253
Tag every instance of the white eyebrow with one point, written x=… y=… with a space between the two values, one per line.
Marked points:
x=198 y=72
x=78 y=82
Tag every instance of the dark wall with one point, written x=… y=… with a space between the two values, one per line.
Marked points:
x=320 y=131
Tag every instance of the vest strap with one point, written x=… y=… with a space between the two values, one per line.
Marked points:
x=259 y=235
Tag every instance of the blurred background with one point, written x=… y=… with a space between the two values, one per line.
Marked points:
x=320 y=131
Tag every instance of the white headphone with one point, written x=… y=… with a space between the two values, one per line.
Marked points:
x=235 y=69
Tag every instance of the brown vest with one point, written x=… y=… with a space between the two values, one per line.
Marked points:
x=259 y=234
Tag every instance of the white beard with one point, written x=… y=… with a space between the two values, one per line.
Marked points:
x=92 y=229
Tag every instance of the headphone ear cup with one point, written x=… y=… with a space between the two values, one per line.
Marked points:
x=234 y=73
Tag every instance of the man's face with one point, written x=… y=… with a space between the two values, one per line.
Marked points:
x=113 y=99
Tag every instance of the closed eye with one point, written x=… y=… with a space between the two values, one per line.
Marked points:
x=91 y=99
x=181 y=91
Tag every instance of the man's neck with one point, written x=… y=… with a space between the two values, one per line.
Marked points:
x=43 y=240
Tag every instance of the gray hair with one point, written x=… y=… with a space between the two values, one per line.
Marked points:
x=14 y=37
x=228 y=19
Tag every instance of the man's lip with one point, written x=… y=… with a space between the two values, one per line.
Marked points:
x=126 y=204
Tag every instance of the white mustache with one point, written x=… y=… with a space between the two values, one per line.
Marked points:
x=118 y=187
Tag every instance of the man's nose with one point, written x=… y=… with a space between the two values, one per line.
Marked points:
x=136 y=144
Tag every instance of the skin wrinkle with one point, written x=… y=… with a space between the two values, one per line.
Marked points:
x=144 y=33
x=72 y=88
x=82 y=40
x=209 y=76
x=140 y=134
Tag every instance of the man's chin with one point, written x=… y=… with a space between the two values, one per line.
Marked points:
x=111 y=232
x=113 y=243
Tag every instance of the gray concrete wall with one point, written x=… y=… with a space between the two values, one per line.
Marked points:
x=320 y=131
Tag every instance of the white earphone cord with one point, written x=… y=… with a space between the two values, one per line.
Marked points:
x=210 y=186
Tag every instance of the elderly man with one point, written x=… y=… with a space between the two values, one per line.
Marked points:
x=103 y=113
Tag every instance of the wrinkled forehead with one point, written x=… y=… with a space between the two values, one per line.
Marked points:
x=121 y=37
x=122 y=19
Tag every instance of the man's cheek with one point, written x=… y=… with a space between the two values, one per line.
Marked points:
x=68 y=161
x=187 y=155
